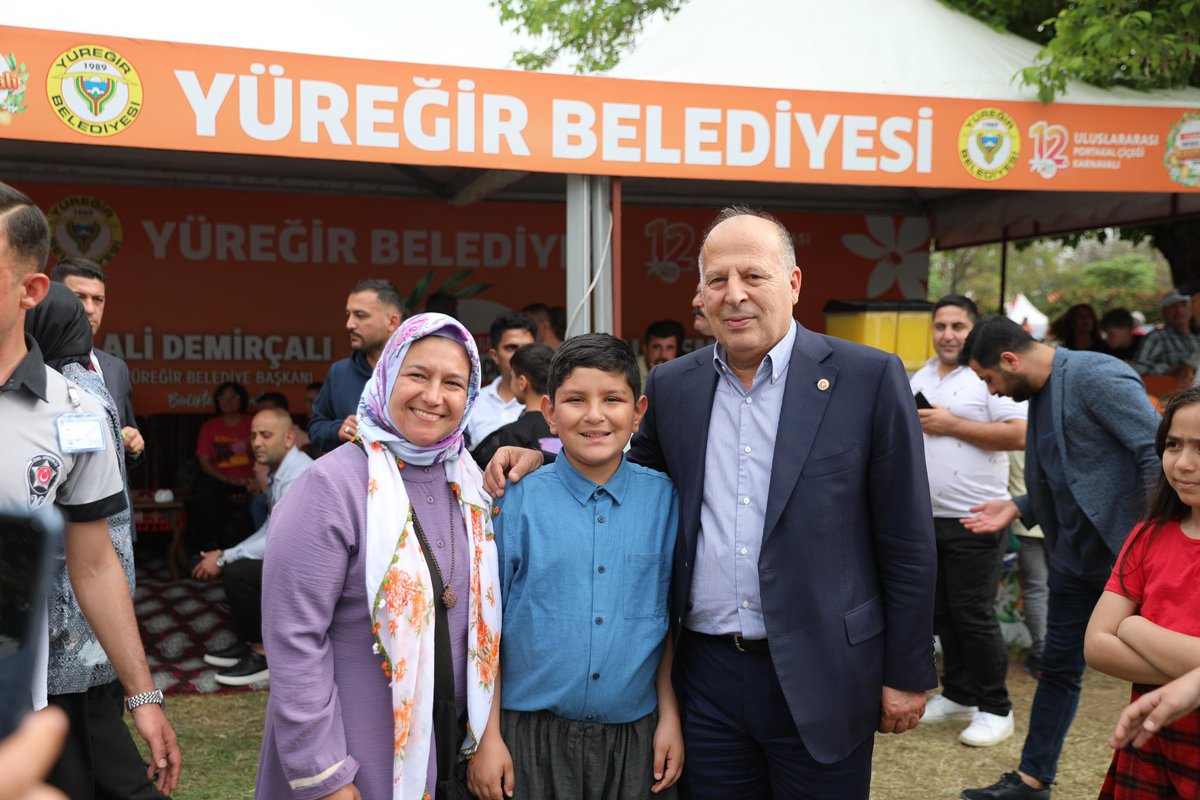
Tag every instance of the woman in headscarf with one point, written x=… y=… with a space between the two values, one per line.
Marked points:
x=80 y=679
x=381 y=607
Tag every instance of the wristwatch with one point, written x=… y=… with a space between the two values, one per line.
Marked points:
x=221 y=560
x=142 y=699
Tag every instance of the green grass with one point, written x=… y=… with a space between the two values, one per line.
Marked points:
x=219 y=737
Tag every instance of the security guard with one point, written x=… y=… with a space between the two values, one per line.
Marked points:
x=55 y=451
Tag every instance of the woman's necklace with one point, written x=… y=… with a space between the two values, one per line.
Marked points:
x=449 y=598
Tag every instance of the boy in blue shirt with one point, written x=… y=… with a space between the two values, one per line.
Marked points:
x=587 y=710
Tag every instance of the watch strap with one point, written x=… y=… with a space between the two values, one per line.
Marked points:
x=144 y=698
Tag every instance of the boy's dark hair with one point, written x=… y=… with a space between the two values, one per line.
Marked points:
x=243 y=395
x=25 y=227
x=533 y=362
x=991 y=336
x=1117 y=318
x=601 y=351
x=511 y=320
x=385 y=290
x=958 y=301
x=77 y=268
x=276 y=399
x=558 y=322
x=665 y=329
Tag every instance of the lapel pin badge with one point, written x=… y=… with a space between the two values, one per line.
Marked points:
x=823 y=384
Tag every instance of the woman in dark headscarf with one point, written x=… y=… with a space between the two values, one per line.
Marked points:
x=80 y=678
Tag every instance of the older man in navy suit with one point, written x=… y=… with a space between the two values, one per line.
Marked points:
x=804 y=572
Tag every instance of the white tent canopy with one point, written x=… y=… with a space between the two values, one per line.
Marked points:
x=1021 y=311
x=903 y=47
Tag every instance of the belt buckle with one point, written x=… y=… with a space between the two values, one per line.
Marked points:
x=737 y=643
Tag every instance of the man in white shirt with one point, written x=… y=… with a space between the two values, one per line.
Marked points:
x=273 y=439
x=496 y=405
x=967 y=431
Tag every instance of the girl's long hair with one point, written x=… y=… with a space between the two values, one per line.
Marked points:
x=1165 y=505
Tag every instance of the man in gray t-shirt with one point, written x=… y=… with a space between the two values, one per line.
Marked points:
x=49 y=440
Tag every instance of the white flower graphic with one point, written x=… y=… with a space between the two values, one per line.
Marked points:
x=901 y=252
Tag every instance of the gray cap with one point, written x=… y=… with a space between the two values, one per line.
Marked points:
x=1172 y=297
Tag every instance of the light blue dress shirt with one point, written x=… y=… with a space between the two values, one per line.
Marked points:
x=724 y=595
x=584 y=573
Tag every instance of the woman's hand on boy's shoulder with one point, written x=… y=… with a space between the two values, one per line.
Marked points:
x=490 y=773
x=668 y=752
x=509 y=464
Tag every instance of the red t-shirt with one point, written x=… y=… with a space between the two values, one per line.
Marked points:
x=228 y=447
x=1162 y=575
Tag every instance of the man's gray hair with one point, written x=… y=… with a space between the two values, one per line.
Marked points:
x=787 y=247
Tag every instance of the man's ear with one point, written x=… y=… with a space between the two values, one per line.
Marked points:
x=35 y=286
x=548 y=413
x=1011 y=362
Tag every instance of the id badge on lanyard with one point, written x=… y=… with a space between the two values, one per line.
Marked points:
x=79 y=431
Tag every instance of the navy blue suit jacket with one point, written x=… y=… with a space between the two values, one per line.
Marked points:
x=848 y=565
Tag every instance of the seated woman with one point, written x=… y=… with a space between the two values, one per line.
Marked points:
x=381 y=591
x=217 y=511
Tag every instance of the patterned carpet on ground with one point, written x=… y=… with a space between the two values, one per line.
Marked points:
x=180 y=621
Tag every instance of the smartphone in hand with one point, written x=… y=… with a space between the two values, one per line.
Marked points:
x=921 y=401
x=28 y=543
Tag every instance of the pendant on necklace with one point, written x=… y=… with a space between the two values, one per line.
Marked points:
x=449 y=598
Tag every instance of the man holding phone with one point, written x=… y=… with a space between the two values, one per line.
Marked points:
x=967 y=432
x=55 y=452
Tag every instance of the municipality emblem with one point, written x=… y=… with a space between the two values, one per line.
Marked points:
x=83 y=226
x=41 y=477
x=94 y=90
x=13 y=80
x=989 y=144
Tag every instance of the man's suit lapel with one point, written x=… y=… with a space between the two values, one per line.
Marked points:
x=697 y=388
x=804 y=405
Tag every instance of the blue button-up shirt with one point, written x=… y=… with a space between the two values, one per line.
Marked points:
x=725 y=596
x=584 y=574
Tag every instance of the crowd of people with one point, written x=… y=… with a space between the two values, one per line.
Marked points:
x=601 y=574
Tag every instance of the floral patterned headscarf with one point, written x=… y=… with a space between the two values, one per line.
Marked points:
x=375 y=423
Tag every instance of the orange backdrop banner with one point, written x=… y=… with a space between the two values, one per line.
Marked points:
x=206 y=286
x=110 y=91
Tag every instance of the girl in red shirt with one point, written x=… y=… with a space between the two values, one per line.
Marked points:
x=1146 y=626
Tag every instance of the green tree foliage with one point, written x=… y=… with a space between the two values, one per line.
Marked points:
x=1100 y=269
x=1141 y=44
x=595 y=32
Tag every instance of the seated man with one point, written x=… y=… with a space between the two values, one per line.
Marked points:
x=273 y=440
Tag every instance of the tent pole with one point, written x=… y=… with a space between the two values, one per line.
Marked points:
x=616 y=256
x=1003 y=269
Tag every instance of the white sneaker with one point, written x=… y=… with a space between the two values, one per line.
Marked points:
x=987 y=729
x=940 y=708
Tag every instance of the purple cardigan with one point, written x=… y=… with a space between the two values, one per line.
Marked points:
x=329 y=719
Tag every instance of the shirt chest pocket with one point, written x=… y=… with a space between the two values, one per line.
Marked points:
x=646 y=579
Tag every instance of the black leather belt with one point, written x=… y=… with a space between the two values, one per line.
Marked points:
x=757 y=647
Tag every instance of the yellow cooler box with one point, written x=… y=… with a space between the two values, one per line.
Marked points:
x=903 y=327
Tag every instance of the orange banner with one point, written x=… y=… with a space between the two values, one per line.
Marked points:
x=206 y=286
x=80 y=88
